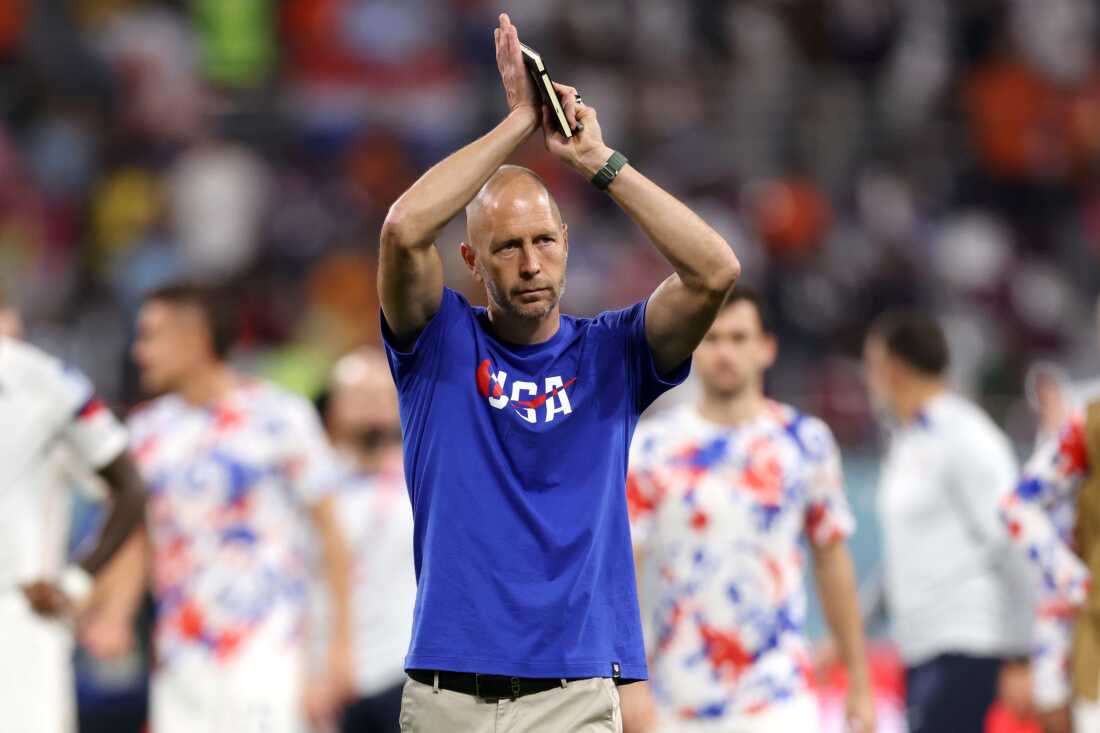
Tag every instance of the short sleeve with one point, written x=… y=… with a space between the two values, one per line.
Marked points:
x=828 y=516
x=90 y=429
x=643 y=492
x=646 y=382
x=313 y=469
x=406 y=363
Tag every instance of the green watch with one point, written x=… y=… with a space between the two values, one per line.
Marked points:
x=604 y=176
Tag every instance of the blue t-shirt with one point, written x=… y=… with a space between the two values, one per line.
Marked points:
x=515 y=459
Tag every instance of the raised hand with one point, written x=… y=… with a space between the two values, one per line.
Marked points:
x=585 y=152
x=518 y=87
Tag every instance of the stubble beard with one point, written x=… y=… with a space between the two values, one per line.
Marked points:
x=532 y=312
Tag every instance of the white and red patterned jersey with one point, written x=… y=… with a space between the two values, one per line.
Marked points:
x=722 y=510
x=44 y=407
x=230 y=485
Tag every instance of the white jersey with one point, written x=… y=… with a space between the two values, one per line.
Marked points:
x=44 y=406
x=953 y=581
x=230 y=485
x=46 y=410
x=377 y=522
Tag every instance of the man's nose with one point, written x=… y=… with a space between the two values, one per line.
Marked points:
x=529 y=262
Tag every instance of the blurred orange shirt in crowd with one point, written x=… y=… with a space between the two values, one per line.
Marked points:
x=13 y=18
x=1024 y=127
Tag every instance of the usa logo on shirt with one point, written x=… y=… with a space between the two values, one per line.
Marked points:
x=525 y=398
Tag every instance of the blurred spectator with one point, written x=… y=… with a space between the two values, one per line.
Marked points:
x=363 y=423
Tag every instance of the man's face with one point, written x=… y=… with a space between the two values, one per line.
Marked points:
x=880 y=370
x=364 y=412
x=735 y=352
x=172 y=340
x=519 y=250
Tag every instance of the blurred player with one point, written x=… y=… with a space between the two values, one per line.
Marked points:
x=1053 y=515
x=47 y=409
x=238 y=470
x=957 y=596
x=721 y=493
x=373 y=507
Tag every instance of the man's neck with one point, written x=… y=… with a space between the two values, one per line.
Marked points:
x=735 y=409
x=525 y=331
x=917 y=397
x=208 y=385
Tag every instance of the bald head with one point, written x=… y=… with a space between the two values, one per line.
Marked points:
x=512 y=191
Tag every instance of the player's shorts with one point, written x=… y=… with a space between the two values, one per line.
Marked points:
x=36 y=676
x=798 y=714
x=257 y=690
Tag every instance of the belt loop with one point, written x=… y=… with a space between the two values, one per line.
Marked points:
x=563 y=683
x=435 y=682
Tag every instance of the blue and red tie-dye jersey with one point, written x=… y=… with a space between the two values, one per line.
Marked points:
x=1040 y=517
x=1051 y=479
x=722 y=511
x=229 y=487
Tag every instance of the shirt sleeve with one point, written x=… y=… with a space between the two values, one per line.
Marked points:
x=1051 y=476
x=311 y=464
x=828 y=517
x=406 y=363
x=90 y=428
x=646 y=382
x=643 y=492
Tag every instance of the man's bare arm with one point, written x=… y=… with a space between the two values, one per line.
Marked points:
x=836 y=587
x=682 y=308
x=126 y=514
x=337 y=569
x=410 y=273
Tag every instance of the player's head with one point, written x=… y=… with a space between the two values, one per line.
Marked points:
x=518 y=244
x=738 y=348
x=361 y=413
x=182 y=329
x=903 y=349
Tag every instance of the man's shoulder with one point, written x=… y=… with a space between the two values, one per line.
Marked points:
x=611 y=319
x=26 y=361
x=965 y=427
x=145 y=414
x=810 y=433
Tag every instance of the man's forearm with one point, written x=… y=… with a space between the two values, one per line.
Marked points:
x=126 y=514
x=337 y=564
x=418 y=215
x=698 y=254
x=836 y=587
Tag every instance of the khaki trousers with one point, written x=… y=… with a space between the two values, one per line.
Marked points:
x=584 y=706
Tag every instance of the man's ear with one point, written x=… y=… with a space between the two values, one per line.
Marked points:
x=771 y=350
x=565 y=237
x=469 y=256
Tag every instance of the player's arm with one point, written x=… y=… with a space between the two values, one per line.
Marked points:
x=836 y=587
x=337 y=570
x=107 y=629
x=682 y=308
x=123 y=519
x=125 y=516
x=410 y=273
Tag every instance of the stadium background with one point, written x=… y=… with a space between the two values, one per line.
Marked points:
x=859 y=154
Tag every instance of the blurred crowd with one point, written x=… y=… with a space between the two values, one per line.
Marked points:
x=859 y=153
